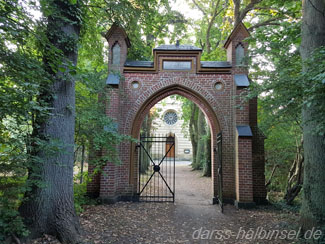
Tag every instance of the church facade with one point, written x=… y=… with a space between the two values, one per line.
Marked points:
x=169 y=122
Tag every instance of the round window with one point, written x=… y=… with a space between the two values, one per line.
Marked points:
x=135 y=84
x=218 y=85
x=170 y=117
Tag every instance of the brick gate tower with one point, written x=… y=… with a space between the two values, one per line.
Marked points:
x=136 y=86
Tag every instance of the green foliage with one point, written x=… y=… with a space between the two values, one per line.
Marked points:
x=146 y=22
x=80 y=196
x=21 y=76
x=11 y=189
x=147 y=129
x=276 y=70
x=279 y=69
x=32 y=54
x=94 y=128
x=206 y=162
x=11 y=223
x=212 y=28
x=281 y=136
x=28 y=64
x=196 y=128
x=283 y=90
x=187 y=111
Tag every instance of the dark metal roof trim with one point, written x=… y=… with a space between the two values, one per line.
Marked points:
x=177 y=48
x=113 y=79
x=241 y=80
x=146 y=64
x=244 y=131
x=215 y=64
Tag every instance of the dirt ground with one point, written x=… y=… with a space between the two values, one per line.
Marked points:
x=191 y=219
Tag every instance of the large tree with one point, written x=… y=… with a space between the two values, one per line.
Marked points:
x=49 y=206
x=313 y=38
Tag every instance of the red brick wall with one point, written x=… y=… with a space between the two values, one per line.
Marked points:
x=244 y=177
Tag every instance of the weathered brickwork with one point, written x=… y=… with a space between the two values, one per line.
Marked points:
x=242 y=157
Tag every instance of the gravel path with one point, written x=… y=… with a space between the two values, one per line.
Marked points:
x=191 y=219
x=191 y=187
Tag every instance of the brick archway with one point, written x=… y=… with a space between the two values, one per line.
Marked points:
x=214 y=86
x=184 y=86
x=144 y=105
x=154 y=98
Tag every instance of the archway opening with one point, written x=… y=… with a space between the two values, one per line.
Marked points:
x=176 y=157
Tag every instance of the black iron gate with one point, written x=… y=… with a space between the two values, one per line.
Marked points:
x=157 y=169
x=219 y=161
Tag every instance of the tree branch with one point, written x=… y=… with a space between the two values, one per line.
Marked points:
x=265 y=8
x=199 y=7
x=265 y=23
x=248 y=8
x=272 y=174
x=210 y=24
x=202 y=44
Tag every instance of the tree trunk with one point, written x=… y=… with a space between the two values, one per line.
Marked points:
x=313 y=205
x=272 y=174
x=207 y=40
x=201 y=142
x=236 y=12
x=207 y=154
x=193 y=131
x=207 y=37
x=295 y=176
x=49 y=207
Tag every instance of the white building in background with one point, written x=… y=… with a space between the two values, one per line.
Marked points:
x=169 y=123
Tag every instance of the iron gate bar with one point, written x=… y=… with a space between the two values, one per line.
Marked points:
x=156 y=165
x=166 y=183
x=172 y=146
x=147 y=182
x=219 y=157
x=158 y=169
x=141 y=145
x=147 y=154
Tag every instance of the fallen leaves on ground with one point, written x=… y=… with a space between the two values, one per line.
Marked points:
x=154 y=223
